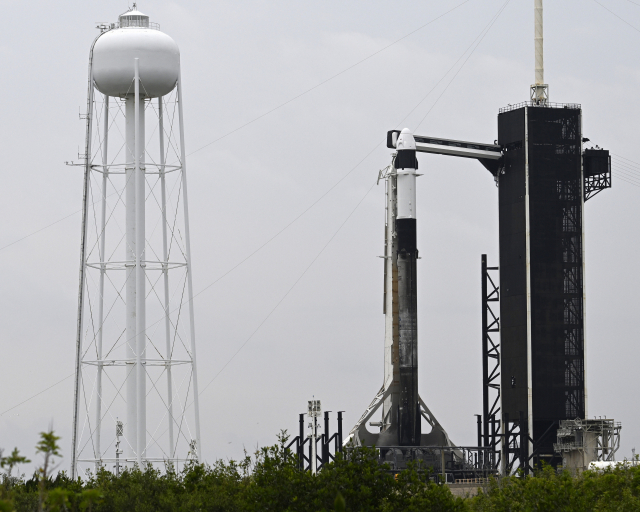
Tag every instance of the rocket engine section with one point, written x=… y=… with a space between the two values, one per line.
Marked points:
x=406 y=164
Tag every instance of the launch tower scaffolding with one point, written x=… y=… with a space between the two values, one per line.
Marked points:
x=490 y=363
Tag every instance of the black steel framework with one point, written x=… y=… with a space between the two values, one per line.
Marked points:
x=517 y=447
x=541 y=274
x=514 y=446
x=329 y=445
x=596 y=165
x=490 y=364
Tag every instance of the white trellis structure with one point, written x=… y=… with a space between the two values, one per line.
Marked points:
x=136 y=354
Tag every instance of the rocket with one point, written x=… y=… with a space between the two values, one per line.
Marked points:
x=398 y=399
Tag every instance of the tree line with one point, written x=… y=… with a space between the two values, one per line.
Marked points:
x=269 y=480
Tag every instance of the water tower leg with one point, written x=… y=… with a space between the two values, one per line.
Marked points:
x=134 y=193
x=187 y=236
x=165 y=259
x=131 y=427
x=103 y=214
x=139 y=268
x=83 y=268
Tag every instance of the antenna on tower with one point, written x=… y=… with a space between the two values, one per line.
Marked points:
x=539 y=90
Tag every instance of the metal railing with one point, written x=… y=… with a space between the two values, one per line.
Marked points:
x=138 y=23
x=459 y=462
x=548 y=104
x=481 y=481
x=130 y=24
x=567 y=447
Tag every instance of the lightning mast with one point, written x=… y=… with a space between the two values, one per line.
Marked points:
x=539 y=90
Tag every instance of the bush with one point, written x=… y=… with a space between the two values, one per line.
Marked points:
x=614 y=489
x=270 y=481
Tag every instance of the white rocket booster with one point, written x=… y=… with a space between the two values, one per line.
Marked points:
x=406 y=164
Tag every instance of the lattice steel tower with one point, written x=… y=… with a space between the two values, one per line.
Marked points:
x=136 y=352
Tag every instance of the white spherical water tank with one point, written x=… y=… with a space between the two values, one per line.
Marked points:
x=114 y=53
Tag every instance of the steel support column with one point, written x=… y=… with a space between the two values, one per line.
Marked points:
x=490 y=356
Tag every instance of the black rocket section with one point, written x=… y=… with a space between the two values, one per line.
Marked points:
x=409 y=409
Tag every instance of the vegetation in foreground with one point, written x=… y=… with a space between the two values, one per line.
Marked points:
x=270 y=481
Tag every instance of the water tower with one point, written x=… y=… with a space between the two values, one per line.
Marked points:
x=136 y=352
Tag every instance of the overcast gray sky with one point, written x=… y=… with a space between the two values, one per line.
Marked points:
x=240 y=59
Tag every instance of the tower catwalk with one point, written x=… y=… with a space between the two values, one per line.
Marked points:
x=135 y=352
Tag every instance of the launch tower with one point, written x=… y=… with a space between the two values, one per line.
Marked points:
x=544 y=179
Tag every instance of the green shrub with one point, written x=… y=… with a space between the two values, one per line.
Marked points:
x=269 y=480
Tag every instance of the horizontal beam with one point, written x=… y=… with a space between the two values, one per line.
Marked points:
x=451 y=147
x=457 y=148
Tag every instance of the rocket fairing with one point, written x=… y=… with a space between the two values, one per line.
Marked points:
x=406 y=164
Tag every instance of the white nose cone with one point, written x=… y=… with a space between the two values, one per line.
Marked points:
x=406 y=140
x=115 y=51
